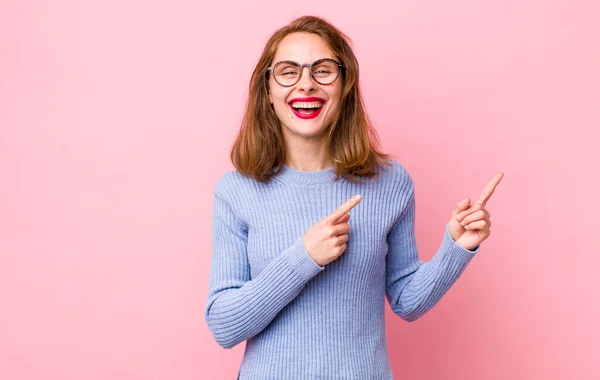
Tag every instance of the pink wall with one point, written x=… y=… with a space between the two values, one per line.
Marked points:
x=116 y=119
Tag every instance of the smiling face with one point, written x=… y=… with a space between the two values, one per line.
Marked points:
x=306 y=108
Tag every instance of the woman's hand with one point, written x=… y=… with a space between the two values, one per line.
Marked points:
x=326 y=240
x=470 y=224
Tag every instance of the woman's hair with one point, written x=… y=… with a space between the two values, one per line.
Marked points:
x=351 y=140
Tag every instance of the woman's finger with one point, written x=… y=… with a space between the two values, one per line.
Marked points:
x=489 y=189
x=343 y=219
x=478 y=225
x=474 y=207
x=460 y=206
x=477 y=215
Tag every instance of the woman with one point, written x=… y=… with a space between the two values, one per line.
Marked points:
x=288 y=274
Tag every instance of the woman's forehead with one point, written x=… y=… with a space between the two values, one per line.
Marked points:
x=302 y=48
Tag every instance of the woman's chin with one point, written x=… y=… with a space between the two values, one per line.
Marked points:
x=305 y=130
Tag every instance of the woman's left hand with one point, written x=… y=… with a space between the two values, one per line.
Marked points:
x=469 y=226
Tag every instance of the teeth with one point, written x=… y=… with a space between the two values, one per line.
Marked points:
x=307 y=104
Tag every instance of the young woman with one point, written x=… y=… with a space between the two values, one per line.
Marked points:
x=290 y=273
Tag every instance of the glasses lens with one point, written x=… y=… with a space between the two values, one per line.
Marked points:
x=286 y=73
x=326 y=71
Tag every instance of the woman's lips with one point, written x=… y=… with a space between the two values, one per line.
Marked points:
x=310 y=115
x=309 y=101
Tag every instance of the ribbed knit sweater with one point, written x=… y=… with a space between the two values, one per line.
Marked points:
x=304 y=321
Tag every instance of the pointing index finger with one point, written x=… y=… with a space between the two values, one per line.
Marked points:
x=344 y=209
x=489 y=189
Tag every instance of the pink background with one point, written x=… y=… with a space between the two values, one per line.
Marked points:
x=116 y=120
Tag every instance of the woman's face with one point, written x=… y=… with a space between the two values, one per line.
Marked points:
x=294 y=105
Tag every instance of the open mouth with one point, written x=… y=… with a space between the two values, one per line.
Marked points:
x=307 y=110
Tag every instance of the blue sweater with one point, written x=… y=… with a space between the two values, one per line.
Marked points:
x=304 y=321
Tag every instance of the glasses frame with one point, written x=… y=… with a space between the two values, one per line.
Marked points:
x=309 y=65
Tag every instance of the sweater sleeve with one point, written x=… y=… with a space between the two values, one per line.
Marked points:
x=239 y=307
x=413 y=287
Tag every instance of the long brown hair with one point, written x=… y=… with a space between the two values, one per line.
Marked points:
x=352 y=142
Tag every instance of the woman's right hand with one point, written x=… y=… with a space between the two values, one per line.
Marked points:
x=326 y=240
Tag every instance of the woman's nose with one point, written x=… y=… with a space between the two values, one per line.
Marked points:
x=306 y=83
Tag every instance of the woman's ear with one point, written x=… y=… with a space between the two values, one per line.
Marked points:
x=268 y=91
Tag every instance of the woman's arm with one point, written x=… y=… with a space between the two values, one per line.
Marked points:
x=413 y=287
x=239 y=307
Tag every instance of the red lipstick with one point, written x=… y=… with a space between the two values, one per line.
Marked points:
x=307 y=115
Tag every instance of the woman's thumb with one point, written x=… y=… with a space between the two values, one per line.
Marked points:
x=463 y=204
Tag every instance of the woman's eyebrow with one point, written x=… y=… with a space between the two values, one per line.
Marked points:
x=291 y=60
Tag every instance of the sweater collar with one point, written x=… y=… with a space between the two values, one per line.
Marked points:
x=291 y=175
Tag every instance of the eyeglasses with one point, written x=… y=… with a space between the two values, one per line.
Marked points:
x=288 y=73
